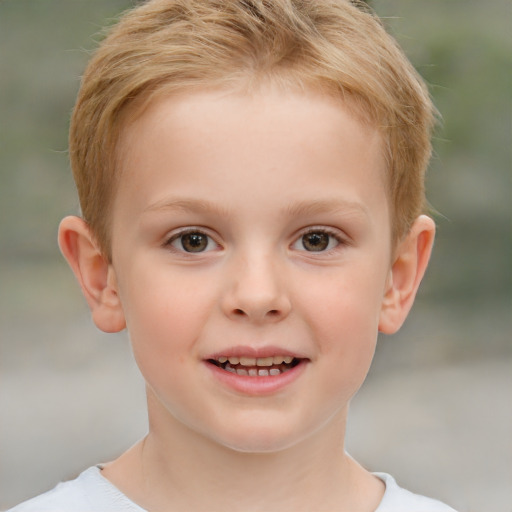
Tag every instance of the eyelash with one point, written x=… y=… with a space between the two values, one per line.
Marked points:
x=321 y=231
x=330 y=233
x=189 y=231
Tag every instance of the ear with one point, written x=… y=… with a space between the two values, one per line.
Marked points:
x=94 y=273
x=409 y=265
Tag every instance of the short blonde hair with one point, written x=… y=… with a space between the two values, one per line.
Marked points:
x=173 y=45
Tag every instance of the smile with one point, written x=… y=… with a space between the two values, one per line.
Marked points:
x=256 y=367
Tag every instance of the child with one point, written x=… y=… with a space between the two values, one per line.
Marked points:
x=251 y=181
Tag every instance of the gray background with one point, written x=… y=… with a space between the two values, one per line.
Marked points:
x=436 y=408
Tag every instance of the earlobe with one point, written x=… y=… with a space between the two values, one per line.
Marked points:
x=94 y=273
x=409 y=266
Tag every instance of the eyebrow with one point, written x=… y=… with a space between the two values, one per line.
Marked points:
x=334 y=205
x=302 y=208
x=188 y=205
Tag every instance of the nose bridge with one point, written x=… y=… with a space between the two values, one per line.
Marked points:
x=257 y=288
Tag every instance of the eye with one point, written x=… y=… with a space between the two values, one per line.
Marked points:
x=317 y=240
x=192 y=241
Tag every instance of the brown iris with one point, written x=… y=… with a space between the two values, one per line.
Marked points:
x=194 y=242
x=315 y=241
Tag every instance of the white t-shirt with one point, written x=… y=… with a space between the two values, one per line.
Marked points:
x=92 y=492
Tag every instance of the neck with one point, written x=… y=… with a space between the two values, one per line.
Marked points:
x=178 y=466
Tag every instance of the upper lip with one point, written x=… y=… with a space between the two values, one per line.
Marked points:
x=255 y=352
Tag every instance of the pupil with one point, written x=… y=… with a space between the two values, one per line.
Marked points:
x=194 y=242
x=315 y=241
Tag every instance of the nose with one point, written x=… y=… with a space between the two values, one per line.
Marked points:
x=257 y=291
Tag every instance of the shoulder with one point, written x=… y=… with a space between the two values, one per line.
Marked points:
x=90 y=492
x=397 y=499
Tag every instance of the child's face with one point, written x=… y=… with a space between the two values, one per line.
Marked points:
x=251 y=227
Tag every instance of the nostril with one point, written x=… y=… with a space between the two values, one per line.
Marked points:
x=256 y=315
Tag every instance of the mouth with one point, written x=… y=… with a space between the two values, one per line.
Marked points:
x=256 y=367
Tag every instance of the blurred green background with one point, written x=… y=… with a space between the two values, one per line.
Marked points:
x=463 y=48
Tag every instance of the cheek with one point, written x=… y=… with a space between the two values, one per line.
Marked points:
x=342 y=313
x=344 y=306
x=164 y=317
x=164 y=329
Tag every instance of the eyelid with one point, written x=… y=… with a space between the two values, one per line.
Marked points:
x=178 y=233
x=335 y=233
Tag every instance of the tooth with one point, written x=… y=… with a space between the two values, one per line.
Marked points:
x=222 y=359
x=247 y=361
x=265 y=361
x=288 y=359
x=263 y=373
x=277 y=359
x=230 y=369
x=234 y=360
x=253 y=372
x=275 y=371
x=242 y=371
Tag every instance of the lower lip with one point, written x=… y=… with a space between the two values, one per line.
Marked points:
x=257 y=386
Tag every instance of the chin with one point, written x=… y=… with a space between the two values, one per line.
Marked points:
x=259 y=439
x=258 y=445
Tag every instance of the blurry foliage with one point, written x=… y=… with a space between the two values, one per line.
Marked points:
x=42 y=54
x=462 y=48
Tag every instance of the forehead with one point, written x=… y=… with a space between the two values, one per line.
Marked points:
x=281 y=113
x=225 y=139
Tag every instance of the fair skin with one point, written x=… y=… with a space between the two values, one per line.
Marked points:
x=266 y=238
